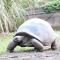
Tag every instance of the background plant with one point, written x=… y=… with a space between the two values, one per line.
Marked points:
x=51 y=6
x=12 y=13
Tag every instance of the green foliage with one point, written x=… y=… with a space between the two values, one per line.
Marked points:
x=12 y=11
x=4 y=40
x=51 y=6
x=27 y=3
x=6 y=20
x=19 y=21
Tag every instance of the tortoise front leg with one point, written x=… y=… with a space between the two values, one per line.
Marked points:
x=38 y=45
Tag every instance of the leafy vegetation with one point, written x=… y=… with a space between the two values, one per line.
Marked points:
x=52 y=6
x=9 y=11
x=12 y=11
x=4 y=40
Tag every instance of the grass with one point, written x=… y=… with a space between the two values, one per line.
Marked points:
x=4 y=40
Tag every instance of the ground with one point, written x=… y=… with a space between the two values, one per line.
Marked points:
x=46 y=55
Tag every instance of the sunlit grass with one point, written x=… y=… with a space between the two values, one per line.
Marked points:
x=5 y=40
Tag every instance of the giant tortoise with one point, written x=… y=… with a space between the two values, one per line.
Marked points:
x=34 y=32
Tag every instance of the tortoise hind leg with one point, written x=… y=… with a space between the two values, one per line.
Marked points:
x=54 y=46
